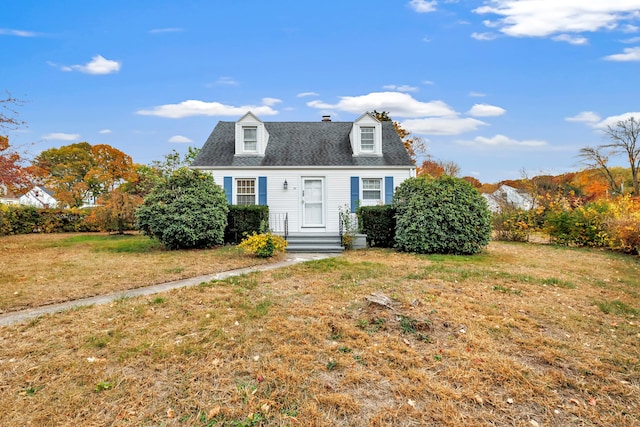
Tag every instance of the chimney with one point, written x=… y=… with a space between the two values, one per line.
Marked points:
x=326 y=118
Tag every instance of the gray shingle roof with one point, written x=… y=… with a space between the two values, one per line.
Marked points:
x=302 y=144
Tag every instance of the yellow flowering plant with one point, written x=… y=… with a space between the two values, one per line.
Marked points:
x=264 y=245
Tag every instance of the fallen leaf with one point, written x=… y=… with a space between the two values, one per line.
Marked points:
x=170 y=413
x=510 y=401
x=214 y=412
x=534 y=423
x=592 y=401
x=411 y=403
x=478 y=399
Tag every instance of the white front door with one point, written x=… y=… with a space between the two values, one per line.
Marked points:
x=312 y=202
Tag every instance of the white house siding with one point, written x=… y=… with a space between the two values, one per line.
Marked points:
x=337 y=189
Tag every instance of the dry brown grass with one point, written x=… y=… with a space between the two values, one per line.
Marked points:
x=41 y=269
x=512 y=337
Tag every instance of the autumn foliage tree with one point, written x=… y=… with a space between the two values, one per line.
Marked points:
x=80 y=171
x=14 y=175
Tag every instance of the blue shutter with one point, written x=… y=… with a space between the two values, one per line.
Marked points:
x=355 y=192
x=262 y=190
x=388 y=189
x=228 y=188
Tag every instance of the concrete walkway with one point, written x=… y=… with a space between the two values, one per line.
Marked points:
x=23 y=315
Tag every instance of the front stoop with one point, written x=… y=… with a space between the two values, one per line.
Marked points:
x=314 y=242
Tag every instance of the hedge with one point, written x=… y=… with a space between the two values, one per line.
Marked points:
x=379 y=224
x=18 y=219
x=244 y=220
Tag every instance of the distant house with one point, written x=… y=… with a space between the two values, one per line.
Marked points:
x=507 y=196
x=306 y=171
x=8 y=198
x=39 y=197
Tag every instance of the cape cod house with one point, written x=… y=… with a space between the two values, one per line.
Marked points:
x=306 y=171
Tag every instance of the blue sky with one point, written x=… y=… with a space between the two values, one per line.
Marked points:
x=497 y=86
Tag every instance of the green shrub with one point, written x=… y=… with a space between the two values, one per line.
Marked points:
x=446 y=215
x=581 y=226
x=243 y=220
x=17 y=219
x=513 y=225
x=187 y=210
x=379 y=224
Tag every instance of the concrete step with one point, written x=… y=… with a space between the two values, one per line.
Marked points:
x=314 y=242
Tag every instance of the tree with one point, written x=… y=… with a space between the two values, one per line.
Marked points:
x=80 y=171
x=414 y=144
x=187 y=210
x=14 y=176
x=8 y=115
x=596 y=160
x=174 y=161
x=438 y=168
x=624 y=140
x=445 y=215
x=115 y=211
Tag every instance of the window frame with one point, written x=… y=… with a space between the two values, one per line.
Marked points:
x=370 y=141
x=364 y=182
x=253 y=141
x=248 y=184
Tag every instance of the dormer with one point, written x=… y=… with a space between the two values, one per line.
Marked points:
x=251 y=136
x=366 y=136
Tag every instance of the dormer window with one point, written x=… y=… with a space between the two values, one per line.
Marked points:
x=366 y=136
x=250 y=134
x=367 y=139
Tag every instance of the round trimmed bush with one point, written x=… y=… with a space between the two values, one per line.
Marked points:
x=445 y=215
x=188 y=210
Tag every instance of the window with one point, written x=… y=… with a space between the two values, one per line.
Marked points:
x=250 y=138
x=367 y=138
x=246 y=191
x=371 y=189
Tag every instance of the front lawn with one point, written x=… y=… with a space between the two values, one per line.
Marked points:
x=40 y=269
x=520 y=335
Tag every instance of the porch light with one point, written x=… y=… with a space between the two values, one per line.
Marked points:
x=286 y=184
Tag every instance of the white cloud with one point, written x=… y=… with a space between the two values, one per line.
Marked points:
x=395 y=103
x=401 y=88
x=630 y=28
x=179 y=139
x=631 y=40
x=539 y=18
x=477 y=94
x=613 y=120
x=271 y=101
x=59 y=136
x=575 y=40
x=486 y=110
x=104 y=131
x=584 y=117
x=501 y=141
x=305 y=94
x=484 y=36
x=97 y=65
x=630 y=54
x=428 y=82
x=165 y=30
x=194 y=107
x=453 y=125
x=227 y=81
x=423 y=6
x=17 y=33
